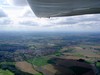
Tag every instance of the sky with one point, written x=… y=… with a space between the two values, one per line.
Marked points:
x=16 y=15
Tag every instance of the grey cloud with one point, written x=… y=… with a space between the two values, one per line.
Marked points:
x=2 y=2
x=2 y=13
x=78 y=23
x=28 y=23
x=5 y=21
x=90 y=18
x=66 y=21
x=19 y=2
x=81 y=21
x=28 y=13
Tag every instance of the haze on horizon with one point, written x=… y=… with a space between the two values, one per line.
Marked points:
x=15 y=16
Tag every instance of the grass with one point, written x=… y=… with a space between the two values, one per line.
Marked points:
x=38 y=74
x=58 y=54
x=89 y=62
x=7 y=63
x=98 y=66
x=79 y=55
x=5 y=72
x=39 y=61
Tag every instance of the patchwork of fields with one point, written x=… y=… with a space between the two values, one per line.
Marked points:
x=50 y=54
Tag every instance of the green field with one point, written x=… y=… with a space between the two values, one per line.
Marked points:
x=38 y=74
x=58 y=53
x=5 y=72
x=78 y=55
x=7 y=63
x=98 y=65
x=39 y=61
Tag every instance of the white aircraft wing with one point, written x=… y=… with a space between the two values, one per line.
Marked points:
x=56 y=8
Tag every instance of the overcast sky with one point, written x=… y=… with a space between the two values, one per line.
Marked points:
x=16 y=15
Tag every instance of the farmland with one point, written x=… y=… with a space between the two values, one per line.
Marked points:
x=44 y=53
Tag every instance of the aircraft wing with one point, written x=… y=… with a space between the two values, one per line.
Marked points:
x=56 y=8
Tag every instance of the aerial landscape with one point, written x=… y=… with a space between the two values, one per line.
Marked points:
x=49 y=53
x=49 y=37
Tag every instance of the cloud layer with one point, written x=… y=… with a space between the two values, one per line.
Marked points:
x=2 y=13
x=5 y=21
x=20 y=17
x=18 y=2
